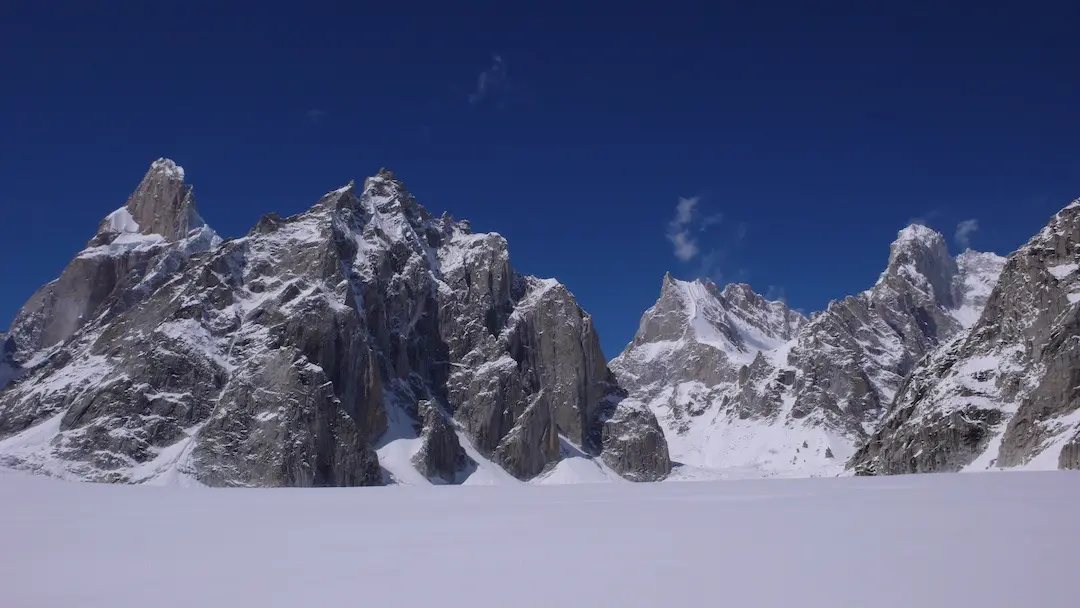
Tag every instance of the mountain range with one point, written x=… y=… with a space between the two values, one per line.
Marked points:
x=743 y=383
x=366 y=342
x=361 y=342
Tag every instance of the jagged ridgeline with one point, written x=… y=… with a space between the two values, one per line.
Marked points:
x=1005 y=392
x=945 y=364
x=745 y=384
x=290 y=356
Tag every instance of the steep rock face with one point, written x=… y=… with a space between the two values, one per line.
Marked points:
x=280 y=358
x=120 y=264
x=163 y=204
x=9 y=370
x=915 y=297
x=1002 y=394
x=441 y=455
x=874 y=339
x=740 y=382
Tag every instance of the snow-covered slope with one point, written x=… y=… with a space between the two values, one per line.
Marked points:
x=1006 y=392
x=740 y=383
x=813 y=543
x=360 y=342
x=977 y=276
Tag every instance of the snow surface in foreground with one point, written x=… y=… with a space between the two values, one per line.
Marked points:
x=1001 y=539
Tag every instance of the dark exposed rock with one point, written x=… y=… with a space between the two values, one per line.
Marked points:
x=441 y=455
x=1069 y=458
x=267 y=223
x=634 y=443
x=532 y=444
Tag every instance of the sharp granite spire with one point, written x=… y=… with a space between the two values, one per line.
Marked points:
x=162 y=204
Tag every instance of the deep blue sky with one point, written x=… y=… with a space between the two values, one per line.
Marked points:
x=817 y=130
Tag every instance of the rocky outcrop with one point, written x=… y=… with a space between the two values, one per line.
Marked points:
x=531 y=445
x=441 y=455
x=278 y=359
x=1069 y=457
x=1004 y=393
x=738 y=381
x=634 y=443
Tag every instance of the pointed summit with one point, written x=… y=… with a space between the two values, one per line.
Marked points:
x=920 y=257
x=741 y=292
x=162 y=204
x=668 y=283
x=388 y=194
x=168 y=168
x=384 y=183
x=916 y=237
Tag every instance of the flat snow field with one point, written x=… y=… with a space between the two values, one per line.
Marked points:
x=979 y=540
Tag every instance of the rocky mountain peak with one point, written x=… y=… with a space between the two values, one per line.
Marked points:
x=772 y=318
x=388 y=194
x=916 y=235
x=386 y=183
x=736 y=319
x=741 y=295
x=675 y=292
x=741 y=292
x=1003 y=392
x=670 y=285
x=134 y=247
x=163 y=204
x=665 y=320
x=1060 y=224
x=701 y=288
x=167 y=168
x=920 y=258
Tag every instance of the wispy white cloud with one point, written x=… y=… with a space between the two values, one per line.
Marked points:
x=710 y=265
x=490 y=81
x=964 y=230
x=924 y=219
x=712 y=255
x=684 y=210
x=740 y=233
x=775 y=293
x=679 y=229
x=315 y=114
x=711 y=220
x=686 y=247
